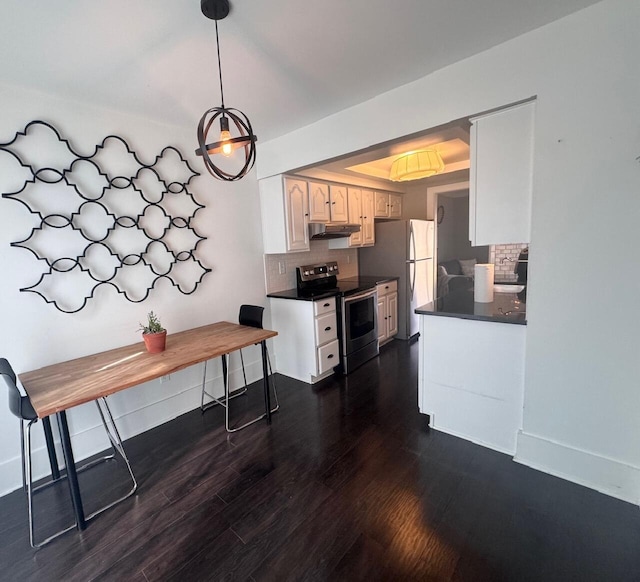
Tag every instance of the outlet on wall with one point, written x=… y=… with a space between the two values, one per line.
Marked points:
x=282 y=267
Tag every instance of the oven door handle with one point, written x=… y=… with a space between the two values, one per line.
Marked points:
x=365 y=295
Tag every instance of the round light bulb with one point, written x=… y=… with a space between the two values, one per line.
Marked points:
x=225 y=136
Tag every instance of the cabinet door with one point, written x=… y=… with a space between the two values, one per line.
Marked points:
x=395 y=206
x=339 y=203
x=392 y=314
x=319 y=207
x=355 y=215
x=382 y=319
x=500 y=189
x=368 y=212
x=297 y=209
x=382 y=205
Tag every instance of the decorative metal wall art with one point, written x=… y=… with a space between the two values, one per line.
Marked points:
x=102 y=219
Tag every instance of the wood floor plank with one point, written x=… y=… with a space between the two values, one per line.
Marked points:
x=347 y=483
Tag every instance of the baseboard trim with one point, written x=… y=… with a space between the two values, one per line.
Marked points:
x=493 y=447
x=606 y=475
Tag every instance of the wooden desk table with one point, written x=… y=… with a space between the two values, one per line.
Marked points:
x=54 y=389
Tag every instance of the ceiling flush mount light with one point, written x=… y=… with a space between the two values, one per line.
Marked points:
x=232 y=137
x=416 y=165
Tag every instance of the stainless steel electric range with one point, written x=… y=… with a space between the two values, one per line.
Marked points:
x=357 y=311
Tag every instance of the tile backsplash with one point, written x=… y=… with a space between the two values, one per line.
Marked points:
x=504 y=258
x=320 y=252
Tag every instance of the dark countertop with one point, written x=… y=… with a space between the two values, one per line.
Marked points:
x=505 y=307
x=350 y=284
x=294 y=294
x=370 y=281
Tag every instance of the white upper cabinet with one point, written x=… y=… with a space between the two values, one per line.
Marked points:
x=381 y=205
x=355 y=215
x=501 y=176
x=360 y=211
x=388 y=205
x=395 y=206
x=289 y=204
x=339 y=203
x=319 y=203
x=328 y=203
x=368 y=223
x=285 y=214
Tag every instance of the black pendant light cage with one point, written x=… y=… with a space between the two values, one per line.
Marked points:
x=217 y=10
x=246 y=140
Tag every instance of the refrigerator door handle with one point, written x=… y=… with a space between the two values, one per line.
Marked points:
x=412 y=242
x=412 y=286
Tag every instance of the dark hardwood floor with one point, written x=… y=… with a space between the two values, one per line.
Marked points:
x=347 y=484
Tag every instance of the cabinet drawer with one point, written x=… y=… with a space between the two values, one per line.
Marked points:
x=324 y=306
x=328 y=357
x=326 y=328
x=386 y=288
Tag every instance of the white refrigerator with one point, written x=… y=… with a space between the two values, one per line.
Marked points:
x=403 y=249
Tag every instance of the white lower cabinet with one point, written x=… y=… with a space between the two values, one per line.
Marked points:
x=306 y=347
x=471 y=379
x=387 y=311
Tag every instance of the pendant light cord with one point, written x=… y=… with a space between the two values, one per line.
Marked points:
x=219 y=65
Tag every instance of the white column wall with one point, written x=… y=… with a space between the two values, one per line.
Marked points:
x=582 y=396
x=35 y=334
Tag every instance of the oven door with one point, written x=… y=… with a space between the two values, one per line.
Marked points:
x=359 y=320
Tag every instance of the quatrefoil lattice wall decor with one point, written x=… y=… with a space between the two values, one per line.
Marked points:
x=102 y=219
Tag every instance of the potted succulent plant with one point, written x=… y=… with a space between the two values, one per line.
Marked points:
x=153 y=334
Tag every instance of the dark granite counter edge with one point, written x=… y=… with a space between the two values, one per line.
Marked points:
x=505 y=308
x=424 y=310
x=371 y=280
x=293 y=293
x=288 y=294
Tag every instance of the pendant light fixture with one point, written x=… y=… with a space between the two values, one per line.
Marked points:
x=416 y=165
x=235 y=137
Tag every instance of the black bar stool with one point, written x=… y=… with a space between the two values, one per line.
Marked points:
x=251 y=316
x=21 y=407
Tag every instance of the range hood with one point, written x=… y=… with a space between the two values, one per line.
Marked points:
x=326 y=230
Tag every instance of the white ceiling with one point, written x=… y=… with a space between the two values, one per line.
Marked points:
x=286 y=63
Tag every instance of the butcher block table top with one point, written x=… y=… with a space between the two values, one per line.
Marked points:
x=68 y=384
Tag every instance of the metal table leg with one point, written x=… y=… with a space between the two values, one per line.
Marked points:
x=71 y=470
x=265 y=373
x=51 y=448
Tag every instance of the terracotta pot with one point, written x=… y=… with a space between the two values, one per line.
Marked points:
x=155 y=342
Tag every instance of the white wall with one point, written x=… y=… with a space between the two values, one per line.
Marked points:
x=35 y=334
x=582 y=398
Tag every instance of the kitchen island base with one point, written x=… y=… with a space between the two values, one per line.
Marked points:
x=471 y=379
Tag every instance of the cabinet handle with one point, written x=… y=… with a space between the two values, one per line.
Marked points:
x=326 y=305
x=327 y=202
x=386 y=286
x=307 y=214
x=327 y=328
x=329 y=356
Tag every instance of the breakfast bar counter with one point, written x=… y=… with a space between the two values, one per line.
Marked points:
x=506 y=307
